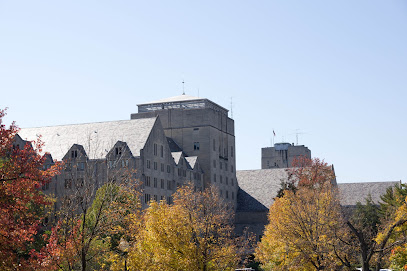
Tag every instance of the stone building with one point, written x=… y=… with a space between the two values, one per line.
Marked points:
x=258 y=188
x=186 y=139
x=200 y=128
x=282 y=155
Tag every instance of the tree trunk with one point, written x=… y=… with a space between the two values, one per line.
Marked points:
x=83 y=258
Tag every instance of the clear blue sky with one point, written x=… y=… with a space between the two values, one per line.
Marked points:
x=335 y=70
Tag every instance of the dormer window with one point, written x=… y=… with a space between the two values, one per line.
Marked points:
x=74 y=154
x=118 y=151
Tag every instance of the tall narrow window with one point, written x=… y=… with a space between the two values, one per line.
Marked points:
x=155 y=149
x=196 y=146
x=162 y=151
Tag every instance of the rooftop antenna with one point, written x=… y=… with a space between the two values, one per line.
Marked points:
x=231 y=107
x=183 y=85
x=297 y=132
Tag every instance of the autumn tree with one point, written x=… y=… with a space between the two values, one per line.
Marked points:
x=195 y=233
x=305 y=224
x=95 y=213
x=93 y=240
x=22 y=203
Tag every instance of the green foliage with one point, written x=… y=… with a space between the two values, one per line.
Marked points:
x=366 y=216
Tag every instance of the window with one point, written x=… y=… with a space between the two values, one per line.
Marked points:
x=196 y=146
x=155 y=197
x=162 y=184
x=179 y=172
x=155 y=149
x=213 y=144
x=147 y=198
x=148 y=164
x=79 y=182
x=118 y=151
x=233 y=195
x=169 y=200
x=68 y=183
x=45 y=187
x=231 y=151
x=125 y=163
x=231 y=168
x=220 y=178
x=74 y=154
x=227 y=194
x=162 y=198
x=231 y=182
x=214 y=178
x=162 y=151
x=162 y=167
x=148 y=181
x=169 y=185
x=81 y=166
x=168 y=169
x=155 y=165
x=155 y=182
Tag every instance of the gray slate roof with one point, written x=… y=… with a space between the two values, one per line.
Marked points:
x=177 y=156
x=351 y=193
x=191 y=160
x=258 y=188
x=100 y=136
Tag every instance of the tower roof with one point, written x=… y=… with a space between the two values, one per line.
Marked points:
x=180 y=98
x=181 y=101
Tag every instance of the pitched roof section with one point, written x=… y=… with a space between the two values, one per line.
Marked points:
x=176 y=155
x=258 y=188
x=191 y=161
x=351 y=193
x=180 y=98
x=100 y=136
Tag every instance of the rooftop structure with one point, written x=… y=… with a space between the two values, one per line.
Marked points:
x=282 y=155
x=182 y=101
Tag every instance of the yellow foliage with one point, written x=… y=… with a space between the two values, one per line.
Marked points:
x=302 y=229
x=194 y=233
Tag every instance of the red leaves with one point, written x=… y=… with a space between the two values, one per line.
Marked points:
x=21 y=202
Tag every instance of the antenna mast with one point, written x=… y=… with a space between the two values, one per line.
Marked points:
x=183 y=85
x=231 y=107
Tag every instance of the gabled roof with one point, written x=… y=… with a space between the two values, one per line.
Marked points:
x=191 y=161
x=176 y=155
x=258 y=188
x=180 y=98
x=97 y=138
x=173 y=146
x=351 y=193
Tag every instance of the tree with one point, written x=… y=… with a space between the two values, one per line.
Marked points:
x=305 y=224
x=381 y=229
x=99 y=204
x=93 y=239
x=22 y=203
x=195 y=233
